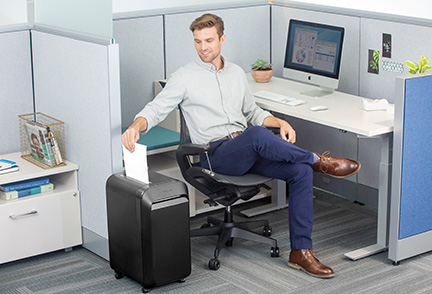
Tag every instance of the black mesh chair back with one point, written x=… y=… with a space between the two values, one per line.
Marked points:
x=224 y=190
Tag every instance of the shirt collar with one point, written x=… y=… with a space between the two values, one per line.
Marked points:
x=209 y=66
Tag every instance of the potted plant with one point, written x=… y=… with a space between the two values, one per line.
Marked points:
x=420 y=67
x=262 y=71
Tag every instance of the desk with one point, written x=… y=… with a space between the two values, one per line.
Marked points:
x=345 y=112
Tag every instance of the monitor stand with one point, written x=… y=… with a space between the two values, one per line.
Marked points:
x=322 y=91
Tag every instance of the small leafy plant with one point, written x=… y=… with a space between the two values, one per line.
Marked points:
x=374 y=64
x=420 y=67
x=261 y=64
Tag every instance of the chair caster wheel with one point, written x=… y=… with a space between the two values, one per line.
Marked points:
x=274 y=252
x=396 y=263
x=267 y=231
x=214 y=264
x=229 y=243
x=118 y=275
x=145 y=290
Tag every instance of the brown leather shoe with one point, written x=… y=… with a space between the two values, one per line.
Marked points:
x=335 y=166
x=306 y=261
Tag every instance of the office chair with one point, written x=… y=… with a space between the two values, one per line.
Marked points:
x=224 y=190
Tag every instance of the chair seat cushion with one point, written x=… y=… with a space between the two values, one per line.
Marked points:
x=245 y=180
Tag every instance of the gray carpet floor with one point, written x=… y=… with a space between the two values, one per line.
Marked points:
x=246 y=267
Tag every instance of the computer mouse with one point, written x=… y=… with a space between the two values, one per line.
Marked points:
x=318 y=108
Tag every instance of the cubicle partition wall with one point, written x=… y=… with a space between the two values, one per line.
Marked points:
x=141 y=45
x=77 y=81
x=349 y=73
x=407 y=43
x=411 y=205
x=247 y=33
x=16 y=93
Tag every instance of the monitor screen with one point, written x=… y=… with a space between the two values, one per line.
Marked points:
x=313 y=54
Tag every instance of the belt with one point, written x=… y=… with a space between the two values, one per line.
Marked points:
x=231 y=136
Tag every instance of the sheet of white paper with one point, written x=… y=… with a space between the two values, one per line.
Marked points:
x=136 y=163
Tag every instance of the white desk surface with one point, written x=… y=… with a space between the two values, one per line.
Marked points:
x=344 y=111
x=28 y=170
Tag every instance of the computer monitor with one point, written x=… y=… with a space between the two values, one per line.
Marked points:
x=313 y=55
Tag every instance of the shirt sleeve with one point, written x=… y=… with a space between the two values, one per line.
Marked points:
x=168 y=99
x=253 y=113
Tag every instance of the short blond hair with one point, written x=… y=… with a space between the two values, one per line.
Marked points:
x=208 y=20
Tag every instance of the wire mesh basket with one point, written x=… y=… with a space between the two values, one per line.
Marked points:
x=42 y=140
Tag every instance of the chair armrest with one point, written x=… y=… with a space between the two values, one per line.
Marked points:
x=183 y=154
x=192 y=149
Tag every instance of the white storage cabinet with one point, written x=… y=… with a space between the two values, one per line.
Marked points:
x=44 y=222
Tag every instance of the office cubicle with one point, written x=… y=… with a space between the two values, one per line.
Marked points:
x=364 y=31
x=268 y=24
x=411 y=205
x=152 y=45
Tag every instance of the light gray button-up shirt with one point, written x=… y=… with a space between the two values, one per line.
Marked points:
x=214 y=103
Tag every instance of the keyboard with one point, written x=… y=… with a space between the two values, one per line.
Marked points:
x=279 y=98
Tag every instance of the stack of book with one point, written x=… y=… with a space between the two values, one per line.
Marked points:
x=25 y=188
x=7 y=166
x=44 y=146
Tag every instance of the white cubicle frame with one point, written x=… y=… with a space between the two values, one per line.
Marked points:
x=401 y=248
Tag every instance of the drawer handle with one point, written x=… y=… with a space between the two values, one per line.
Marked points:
x=15 y=216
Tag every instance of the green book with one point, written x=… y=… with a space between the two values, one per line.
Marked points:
x=26 y=192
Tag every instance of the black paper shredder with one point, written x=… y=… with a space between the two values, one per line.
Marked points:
x=148 y=229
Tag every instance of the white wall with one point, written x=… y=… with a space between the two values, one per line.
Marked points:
x=90 y=17
x=13 y=12
x=413 y=8
x=120 y=6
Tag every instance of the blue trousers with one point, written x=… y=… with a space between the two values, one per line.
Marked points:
x=258 y=150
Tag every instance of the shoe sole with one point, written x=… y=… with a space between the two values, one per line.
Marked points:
x=300 y=268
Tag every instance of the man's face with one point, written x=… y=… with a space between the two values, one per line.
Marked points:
x=208 y=45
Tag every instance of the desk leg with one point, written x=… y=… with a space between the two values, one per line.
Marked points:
x=383 y=204
x=278 y=200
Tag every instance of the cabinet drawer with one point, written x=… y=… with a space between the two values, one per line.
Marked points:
x=38 y=224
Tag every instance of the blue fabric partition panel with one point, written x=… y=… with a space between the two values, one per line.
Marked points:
x=416 y=182
x=411 y=211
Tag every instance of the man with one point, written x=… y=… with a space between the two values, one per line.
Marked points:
x=217 y=105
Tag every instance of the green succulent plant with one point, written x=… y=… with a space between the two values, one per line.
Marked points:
x=420 y=67
x=261 y=64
